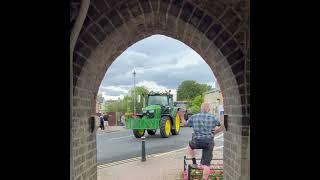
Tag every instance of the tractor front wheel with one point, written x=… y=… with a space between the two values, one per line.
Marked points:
x=165 y=126
x=176 y=129
x=138 y=133
x=151 y=131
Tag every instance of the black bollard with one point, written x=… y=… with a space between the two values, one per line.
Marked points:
x=143 y=155
x=184 y=163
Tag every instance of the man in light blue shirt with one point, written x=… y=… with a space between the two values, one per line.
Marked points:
x=205 y=125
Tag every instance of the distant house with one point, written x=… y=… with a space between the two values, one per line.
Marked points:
x=99 y=103
x=110 y=101
x=181 y=104
x=215 y=100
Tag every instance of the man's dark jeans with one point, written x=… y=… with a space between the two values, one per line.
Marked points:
x=207 y=147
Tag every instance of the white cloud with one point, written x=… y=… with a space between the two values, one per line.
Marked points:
x=126 y=86
x=132 y=58
x=153 y=86
x=213 y=84
x=106 y=97
x=181 y=60
x=114 y=88
x=129 y=73
x=139 y=70
x=136 y=53
x=189 y=58
x=174 y=92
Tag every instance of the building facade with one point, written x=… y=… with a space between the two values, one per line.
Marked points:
x=215 y=100
x=99 y=104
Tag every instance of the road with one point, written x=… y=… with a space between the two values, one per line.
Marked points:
x=122 y=145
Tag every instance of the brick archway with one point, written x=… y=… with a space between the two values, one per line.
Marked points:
x=217 y=31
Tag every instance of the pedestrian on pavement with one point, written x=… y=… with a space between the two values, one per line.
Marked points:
x=186 y=115
x=106 y=118
x=205 y=126
x=101 y=122
x=122 y=119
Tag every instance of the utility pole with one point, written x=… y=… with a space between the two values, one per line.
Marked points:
x=134 y=91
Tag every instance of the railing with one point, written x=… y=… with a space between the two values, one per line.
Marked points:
x=196 y=173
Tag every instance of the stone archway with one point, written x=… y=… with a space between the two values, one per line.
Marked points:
x=216 y=30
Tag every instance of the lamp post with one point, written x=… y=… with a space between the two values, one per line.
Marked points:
x=134 y=91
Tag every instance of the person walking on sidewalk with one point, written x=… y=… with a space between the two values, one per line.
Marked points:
x=122 y=119
x=186 y=115
x=204 y=125
x=106 y=118
x=101 y=123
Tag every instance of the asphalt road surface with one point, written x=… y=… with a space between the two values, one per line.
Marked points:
x=122 y=145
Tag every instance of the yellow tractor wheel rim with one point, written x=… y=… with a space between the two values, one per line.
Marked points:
x=177 y=123
x=167 y=127
x=141 y=131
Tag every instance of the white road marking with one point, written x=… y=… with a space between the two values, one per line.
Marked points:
x=121 y=162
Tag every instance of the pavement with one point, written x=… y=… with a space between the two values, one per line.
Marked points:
x=110 y=129
x=162 y=166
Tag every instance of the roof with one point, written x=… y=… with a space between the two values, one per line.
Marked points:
x=152 y=93
x=212 y=91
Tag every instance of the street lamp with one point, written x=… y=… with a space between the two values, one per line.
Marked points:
x=134 y=91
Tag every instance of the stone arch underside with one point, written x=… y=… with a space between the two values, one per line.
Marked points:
x=215 y=30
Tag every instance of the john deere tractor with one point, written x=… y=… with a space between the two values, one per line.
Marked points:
x=158 y=113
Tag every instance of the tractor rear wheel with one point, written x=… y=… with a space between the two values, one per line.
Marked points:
x=151 y=131
x=176 y=129
x=165 y=126
x=138 y=133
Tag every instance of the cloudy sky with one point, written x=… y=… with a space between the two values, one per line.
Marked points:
x=161 y=63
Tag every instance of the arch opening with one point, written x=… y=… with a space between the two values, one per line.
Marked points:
x=215 y=30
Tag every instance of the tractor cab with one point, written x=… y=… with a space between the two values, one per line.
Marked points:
x=164 y=100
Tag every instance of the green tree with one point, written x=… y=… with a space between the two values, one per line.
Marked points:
x=143 y=92
x=194 y=109
x=126 y=104
x=197 y=101
x=196 y=104
x=114 y=107
x=189 y=89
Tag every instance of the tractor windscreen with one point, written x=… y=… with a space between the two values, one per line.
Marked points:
x=158 y=100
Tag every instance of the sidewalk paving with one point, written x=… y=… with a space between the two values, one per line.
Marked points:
x=110 y=129
x=167 y=166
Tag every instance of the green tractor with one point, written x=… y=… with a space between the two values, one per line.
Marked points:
x=158 y=113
